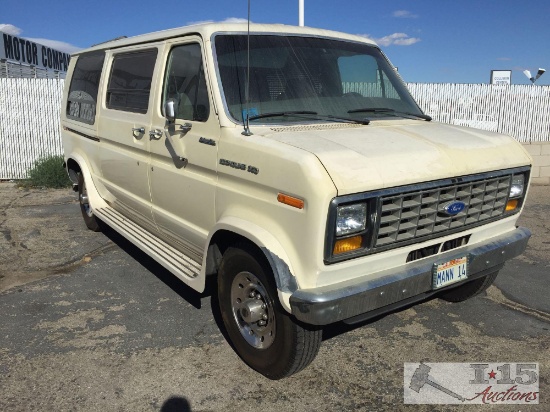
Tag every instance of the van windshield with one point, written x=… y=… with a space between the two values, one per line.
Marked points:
x=300 y=79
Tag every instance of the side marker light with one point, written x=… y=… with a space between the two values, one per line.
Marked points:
x=290 y=201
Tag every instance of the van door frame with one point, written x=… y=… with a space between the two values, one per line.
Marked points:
x=183 y=178
x=124 y=153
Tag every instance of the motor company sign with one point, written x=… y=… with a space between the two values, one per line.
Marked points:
x=18 y=50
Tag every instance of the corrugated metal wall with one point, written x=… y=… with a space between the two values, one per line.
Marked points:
x=29 y=115
x=29 y=123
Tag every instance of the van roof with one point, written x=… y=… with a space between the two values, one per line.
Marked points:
x=208 y=29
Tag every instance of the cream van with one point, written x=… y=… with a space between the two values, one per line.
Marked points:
x=294 y=165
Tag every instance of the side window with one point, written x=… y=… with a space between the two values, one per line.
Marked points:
x=130 y=82
x=82 y=101
x=185 y=82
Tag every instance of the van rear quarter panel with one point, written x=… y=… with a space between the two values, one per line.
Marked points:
x=79 y=138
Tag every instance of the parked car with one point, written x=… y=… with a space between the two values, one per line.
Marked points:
x=293 y=164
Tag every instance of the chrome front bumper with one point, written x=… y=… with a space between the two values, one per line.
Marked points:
x=358 y=299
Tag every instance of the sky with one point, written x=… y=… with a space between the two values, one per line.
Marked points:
x=430 y=41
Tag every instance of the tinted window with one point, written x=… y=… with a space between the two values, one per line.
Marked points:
x=185 y=82
x=82 y=101
x=130 y=82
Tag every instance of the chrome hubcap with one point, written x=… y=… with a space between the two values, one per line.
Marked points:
x=252 y=310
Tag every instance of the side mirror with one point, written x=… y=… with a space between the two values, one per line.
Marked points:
x=170 y=110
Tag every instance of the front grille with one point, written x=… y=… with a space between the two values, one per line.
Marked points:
x=406 y=215
x=411 y=215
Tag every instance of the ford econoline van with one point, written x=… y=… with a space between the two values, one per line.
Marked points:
x=292 y=164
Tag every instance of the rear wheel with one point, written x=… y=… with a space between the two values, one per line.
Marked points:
x=470 y=289
x=92 y=222
x=263 y=334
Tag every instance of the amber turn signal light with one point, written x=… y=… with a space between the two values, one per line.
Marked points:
x=347 y=245
x=511 y=205
x=290 y=200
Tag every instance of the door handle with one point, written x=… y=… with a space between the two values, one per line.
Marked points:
x=138 y=132
x=184 y=128
x=155 y=134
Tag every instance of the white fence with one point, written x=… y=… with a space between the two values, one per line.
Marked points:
x=29 y=115
x=29 y=123
x=521 y=111
x=371 y=89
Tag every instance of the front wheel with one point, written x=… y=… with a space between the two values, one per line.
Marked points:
x=470 y=289
x=263 y=334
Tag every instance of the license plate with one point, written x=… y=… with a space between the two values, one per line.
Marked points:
x=450 y=272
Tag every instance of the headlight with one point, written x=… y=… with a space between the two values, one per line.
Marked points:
x=351 y=219
x=516 y=190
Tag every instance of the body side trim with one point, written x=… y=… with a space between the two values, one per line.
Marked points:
x=87 y=136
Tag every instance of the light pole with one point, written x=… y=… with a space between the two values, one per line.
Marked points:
x=534 y=79
x=301 y=13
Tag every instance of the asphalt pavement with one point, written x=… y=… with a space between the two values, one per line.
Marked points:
x=90 y=323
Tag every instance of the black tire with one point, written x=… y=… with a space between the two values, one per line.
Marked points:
x=470 y=289
x=92 y=222
x=280 y=347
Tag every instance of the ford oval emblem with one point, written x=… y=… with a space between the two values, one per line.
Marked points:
x=453 y=208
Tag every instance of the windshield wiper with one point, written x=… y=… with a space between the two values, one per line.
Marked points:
x=280 y=114
x=310 y=115
x=390 y=111
x=345 y=119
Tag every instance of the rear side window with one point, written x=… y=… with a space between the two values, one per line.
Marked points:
x=130 y=81
x=82 y=101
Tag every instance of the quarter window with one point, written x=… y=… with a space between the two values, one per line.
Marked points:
x=130 y=82
x=82 y=101
x=185 y=83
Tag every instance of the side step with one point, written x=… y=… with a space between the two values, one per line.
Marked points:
x=172 y=259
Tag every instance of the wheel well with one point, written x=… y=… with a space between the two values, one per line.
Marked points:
x=219 y=243
x=223 y=239
x=73 y=168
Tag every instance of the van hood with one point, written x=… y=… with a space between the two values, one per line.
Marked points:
x=384 y=154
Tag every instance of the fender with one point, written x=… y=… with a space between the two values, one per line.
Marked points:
x=96 y=201
x=268 y=244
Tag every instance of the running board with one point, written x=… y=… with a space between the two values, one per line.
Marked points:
x=172 y=259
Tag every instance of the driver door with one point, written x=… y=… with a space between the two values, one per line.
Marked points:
x=183 y=175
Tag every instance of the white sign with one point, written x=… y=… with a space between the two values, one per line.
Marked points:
x=501 y=77
x=472 y=383
x=18 y=50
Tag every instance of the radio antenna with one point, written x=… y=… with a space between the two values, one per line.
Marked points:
x=247 y=131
